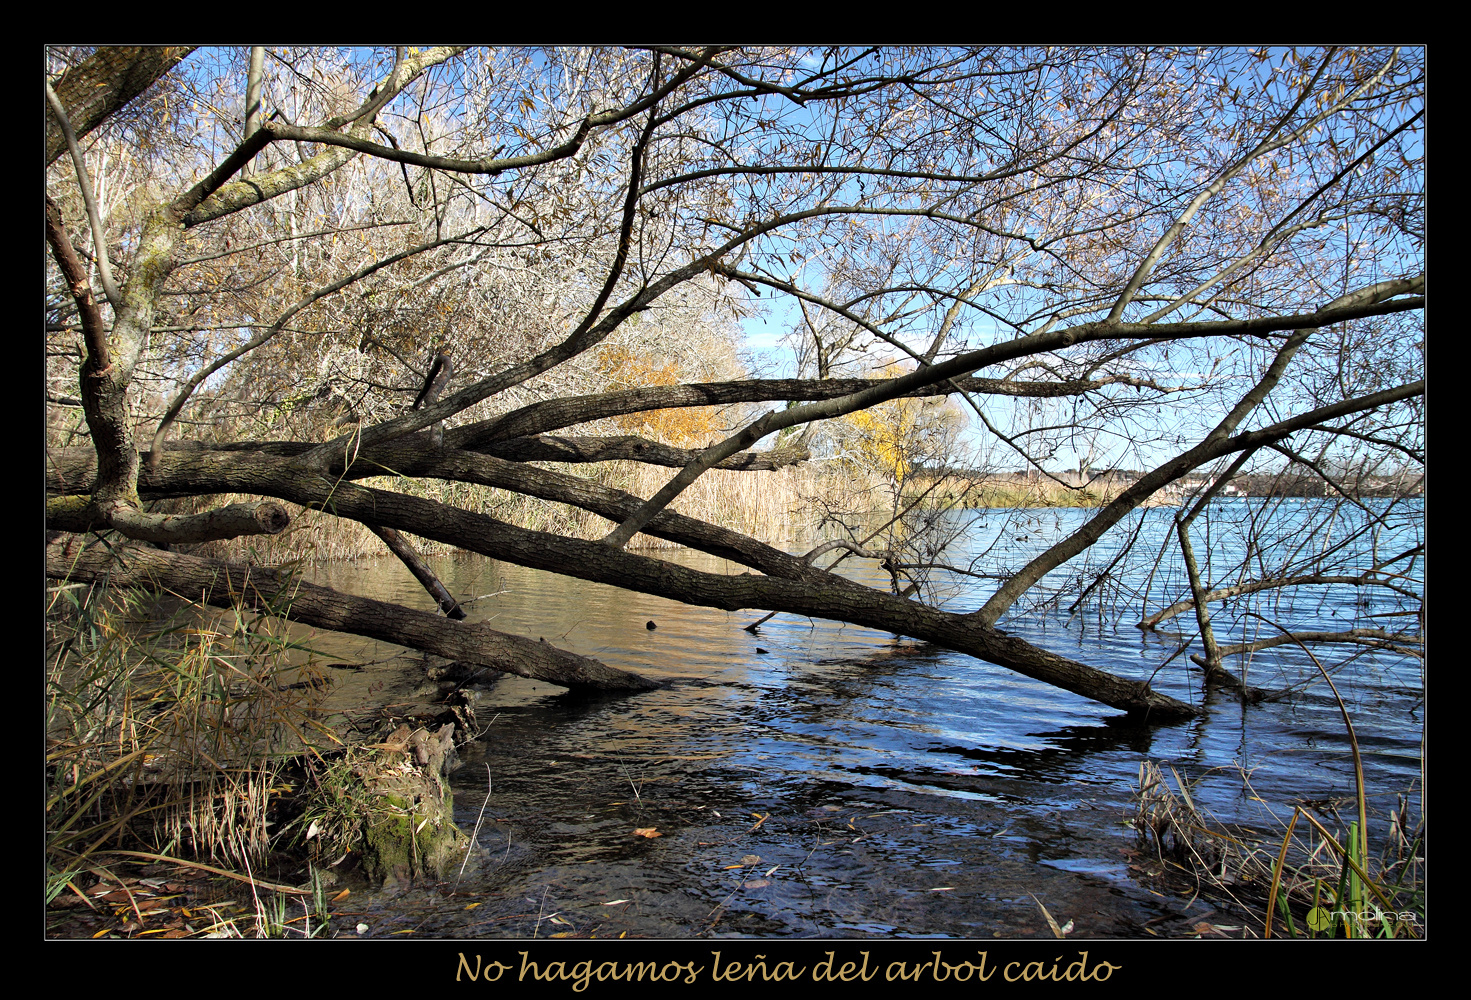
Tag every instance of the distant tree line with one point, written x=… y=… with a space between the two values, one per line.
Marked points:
x=1263 y=484
x=1294 y=485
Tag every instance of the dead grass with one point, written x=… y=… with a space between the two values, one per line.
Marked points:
x=168 y=728
x=1295 y=874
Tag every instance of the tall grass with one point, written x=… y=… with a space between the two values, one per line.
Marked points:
x=1302 y=880
x=1001 y=491
x=168 y=728
x=1352 y=893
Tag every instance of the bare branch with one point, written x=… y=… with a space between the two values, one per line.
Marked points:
x=1371 y=637
x=270 y=332
x=105 y=83
x=84 y=182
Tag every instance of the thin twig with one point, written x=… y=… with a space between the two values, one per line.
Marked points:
x=474 y=836
x=104 y=267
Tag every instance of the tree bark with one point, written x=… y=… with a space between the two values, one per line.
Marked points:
x=281 y=594
x=104 y=83
x=813 y=592
x=580 y=450
x=261 y=517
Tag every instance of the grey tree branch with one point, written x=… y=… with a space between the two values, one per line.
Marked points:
x=489 y=165
x=253 y=89
x=555 y=414
x=400 y=547
x=1372 y=637
x=1368 y=578
x=226 y=198
x=833 y=598
x=176 y=406
x=261 y=517
x=84 y=183
x=1167 y=473
x=965 y=365
x=1272 y=141
x=277 y=592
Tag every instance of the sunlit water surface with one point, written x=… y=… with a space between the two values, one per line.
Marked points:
x=818 y=779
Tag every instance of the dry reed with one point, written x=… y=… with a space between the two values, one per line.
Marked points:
x=1292 y=873
x=166 y=727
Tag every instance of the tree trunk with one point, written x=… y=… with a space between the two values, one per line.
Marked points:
x=804 y=590
x=277 y=593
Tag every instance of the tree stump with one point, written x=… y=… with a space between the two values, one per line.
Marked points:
x=408 y=829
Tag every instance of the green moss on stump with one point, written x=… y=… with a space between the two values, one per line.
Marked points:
x=394 y=807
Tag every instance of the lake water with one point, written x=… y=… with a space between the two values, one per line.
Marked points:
x=819 y=779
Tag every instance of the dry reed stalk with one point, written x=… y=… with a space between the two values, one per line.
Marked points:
x=169 y=733
x=1303 y=870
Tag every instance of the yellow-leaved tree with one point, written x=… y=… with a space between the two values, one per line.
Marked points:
x=688 y=427
x=892 y=439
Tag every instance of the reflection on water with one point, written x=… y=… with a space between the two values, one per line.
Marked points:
x=819 y=779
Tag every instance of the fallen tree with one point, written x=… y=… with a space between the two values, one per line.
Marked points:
x=278 y=592
x=1010 y=224
x=795 y=587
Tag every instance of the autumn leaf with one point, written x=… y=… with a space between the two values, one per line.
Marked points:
x=647 y=831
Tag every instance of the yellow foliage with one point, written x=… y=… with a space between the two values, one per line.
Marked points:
x=890 y=437
x=684 y=427
x=881 y=439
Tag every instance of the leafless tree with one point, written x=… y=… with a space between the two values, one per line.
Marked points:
x=1210 y=252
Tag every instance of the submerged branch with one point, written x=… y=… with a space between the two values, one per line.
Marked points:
x=1365 y=579
x=1372 y=637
